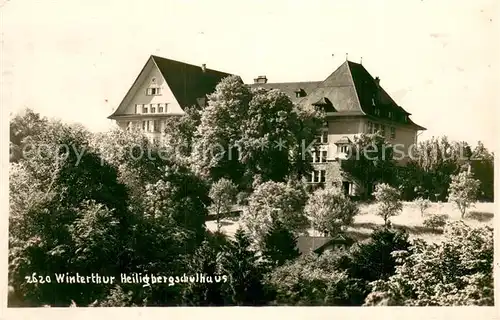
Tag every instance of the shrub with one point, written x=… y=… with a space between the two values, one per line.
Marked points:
x=436 y=221
x=312 y=281
x=458 y=271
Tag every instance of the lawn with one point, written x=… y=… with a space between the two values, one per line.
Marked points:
x=409 y=219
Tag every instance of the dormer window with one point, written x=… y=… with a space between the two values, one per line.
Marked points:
x=377 y=111
x=324 y=104
x=343 y=145
x=299 y=93
x=153 y=91
x=144 y=109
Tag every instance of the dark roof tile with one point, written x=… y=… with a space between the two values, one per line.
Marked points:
x=188 y=82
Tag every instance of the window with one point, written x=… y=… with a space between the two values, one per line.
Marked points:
x=152 y=108
x=317 y=177
x=393 y=133
x=322 y=174
x=144 y=109
x=370 y=127
x=152 y=91
x=344 y=148
x=390 y=114
x=377 y=111
x=160 y=109
x=156 y=125
x=323 y=137
x=373 y=102
x=382 y=129
x=138 y=108
x=320 y=156
x=145 y=125
x=405 y=118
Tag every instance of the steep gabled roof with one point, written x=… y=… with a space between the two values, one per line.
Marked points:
x=188 y=82
x=339 y=89
x=351 y=90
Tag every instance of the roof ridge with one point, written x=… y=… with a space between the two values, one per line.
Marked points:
x=189 y=64
x=354 y=85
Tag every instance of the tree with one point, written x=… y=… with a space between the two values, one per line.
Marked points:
x=422 y=205
x=79 y=222
x=463 y=191
x=458 y=271
x=482 y=166
x=431 y=164
x=275 y=201
x=79 y=208
x=24 y=128
x=369 y=160
x=239 y=262
x=180 y=131
x=244 y=133
x=205 y=260
x=223 y=195
x=279 y=245
x=388 y=201
x=160 y=184
x=330 y=211
x=372 y=260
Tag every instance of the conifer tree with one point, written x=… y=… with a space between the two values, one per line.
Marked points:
x=239 y=262
x=279 y=245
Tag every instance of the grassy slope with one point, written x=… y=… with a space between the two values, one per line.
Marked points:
x=410 y=219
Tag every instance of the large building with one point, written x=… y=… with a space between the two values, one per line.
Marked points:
x=353 y=100
x=163 y=89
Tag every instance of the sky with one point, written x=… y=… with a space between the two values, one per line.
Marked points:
x=75 y=60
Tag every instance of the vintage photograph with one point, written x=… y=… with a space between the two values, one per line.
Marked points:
x=282 y=153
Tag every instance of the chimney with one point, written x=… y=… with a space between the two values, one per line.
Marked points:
x=260 y=79
x=377 y=82
x=204 y=67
